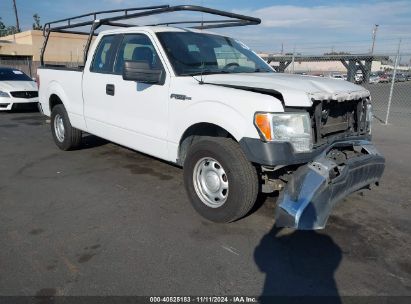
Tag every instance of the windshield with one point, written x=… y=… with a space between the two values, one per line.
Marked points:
x=197 y=53
x=14 y=75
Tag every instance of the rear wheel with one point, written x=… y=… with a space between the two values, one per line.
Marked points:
x=221 y=183
x=65 y=136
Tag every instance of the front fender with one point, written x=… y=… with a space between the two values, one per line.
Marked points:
x=216 y=113
x=213 y=112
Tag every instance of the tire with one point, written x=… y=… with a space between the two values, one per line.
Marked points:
x=66 y=138
x=240 y=179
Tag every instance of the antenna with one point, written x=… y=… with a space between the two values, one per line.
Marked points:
x=202 y=16
x=199 y=81
x=201 y=75
x=201 y=56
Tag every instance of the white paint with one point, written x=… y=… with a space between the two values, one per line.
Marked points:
x=145 y=118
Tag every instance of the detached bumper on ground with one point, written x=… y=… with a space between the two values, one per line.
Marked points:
x=308 y=198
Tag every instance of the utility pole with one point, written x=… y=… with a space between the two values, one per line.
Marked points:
x=17 y=16
x=293 y=61
x=374 y=34
x=282 y=48
x=392 y=82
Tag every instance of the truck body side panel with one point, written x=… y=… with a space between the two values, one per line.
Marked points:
x=67 y=86
x=230 y=109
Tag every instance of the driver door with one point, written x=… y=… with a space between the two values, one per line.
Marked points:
x=136 y=114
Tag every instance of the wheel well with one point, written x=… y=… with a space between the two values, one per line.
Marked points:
x=53 y=101
x=194 y=133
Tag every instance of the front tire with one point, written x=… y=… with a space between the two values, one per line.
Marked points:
x=220 y=182
x=65 y=136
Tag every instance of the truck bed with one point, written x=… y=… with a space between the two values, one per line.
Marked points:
x=62 y=67
x=66 y=83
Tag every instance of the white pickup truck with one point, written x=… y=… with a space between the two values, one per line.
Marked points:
x=209 y=104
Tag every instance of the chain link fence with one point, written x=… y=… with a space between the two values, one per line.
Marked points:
x=386 y=76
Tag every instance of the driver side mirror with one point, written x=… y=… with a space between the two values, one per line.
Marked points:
x=140 y=71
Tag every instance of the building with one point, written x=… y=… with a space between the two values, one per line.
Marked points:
x=22 y=50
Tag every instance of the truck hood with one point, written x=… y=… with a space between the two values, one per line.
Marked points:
x=10 y=86
x=296 y=90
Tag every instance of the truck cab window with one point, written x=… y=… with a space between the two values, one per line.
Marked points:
x=228 y=55
x=103 y=59
x=136 y=47
x=193 y=53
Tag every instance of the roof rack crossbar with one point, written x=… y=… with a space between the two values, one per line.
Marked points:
x=221 y=25
x=133 y=13
x=192 y=21
x=95 y=14
x=68 y=26
x=73 y=32
x=120 y=24
x=193 y=8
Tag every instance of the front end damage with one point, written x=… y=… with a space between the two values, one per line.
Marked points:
x=313 y=189
x=342 y=159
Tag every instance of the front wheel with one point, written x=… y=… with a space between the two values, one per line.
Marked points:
x=65 y=136
x=221 y=183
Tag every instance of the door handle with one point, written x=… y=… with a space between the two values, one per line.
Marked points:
x=110 y=89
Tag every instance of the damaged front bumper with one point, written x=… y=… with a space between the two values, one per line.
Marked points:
x=312 y=191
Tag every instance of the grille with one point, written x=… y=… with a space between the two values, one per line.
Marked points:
x=24 y=94
x=333 y=119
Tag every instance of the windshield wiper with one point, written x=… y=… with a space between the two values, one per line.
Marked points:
x=258 y=70
x=205 y=72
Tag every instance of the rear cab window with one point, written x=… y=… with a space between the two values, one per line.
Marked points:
x=105 y=53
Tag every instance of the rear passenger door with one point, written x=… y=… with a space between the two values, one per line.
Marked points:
x=136 y=114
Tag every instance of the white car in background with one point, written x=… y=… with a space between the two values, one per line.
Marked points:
x=16 y=88
x=374 y=78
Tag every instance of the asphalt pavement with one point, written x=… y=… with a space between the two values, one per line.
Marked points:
x=105 y=220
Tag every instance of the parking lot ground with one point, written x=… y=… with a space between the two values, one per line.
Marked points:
x=105 y=220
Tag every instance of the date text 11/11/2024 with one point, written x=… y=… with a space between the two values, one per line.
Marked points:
x=204 y=299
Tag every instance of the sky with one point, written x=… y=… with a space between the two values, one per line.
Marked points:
x=308 y=27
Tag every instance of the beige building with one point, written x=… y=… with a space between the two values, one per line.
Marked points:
x=61 y=47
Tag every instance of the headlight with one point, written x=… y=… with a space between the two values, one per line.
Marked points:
x=368 y=116
x=4 y=94
x=286 y=127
